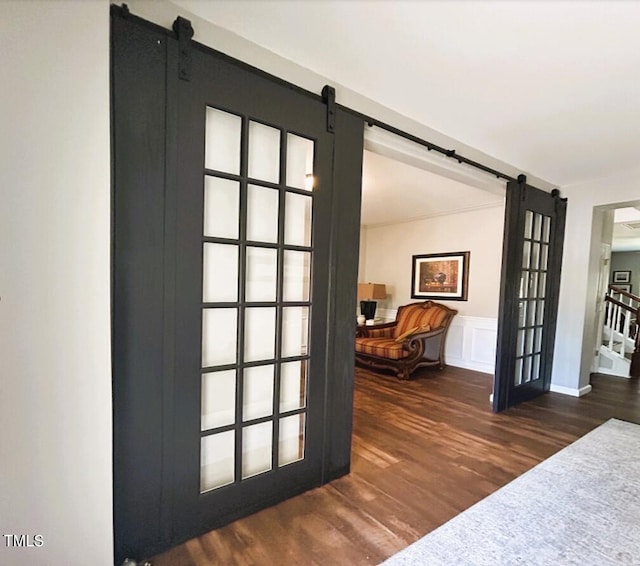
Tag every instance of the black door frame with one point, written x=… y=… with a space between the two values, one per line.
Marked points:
x=148 y=62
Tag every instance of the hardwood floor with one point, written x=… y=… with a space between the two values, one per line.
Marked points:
x=423 y=451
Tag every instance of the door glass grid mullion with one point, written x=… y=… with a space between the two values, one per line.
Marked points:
x=279 y=294
x=536 y=232
x=254 y=429
x=240 y=341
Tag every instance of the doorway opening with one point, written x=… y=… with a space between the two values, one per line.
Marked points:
x=416 y=202
x=616 y=298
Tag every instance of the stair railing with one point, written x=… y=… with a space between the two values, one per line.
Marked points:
x=622 y=316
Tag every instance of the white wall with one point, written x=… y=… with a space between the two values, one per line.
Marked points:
x=363 y=254
x=576 y=331
x=388 y=252
x=164 y=13
x=55 y=398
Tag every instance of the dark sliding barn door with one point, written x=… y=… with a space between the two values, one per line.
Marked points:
x=530 y=284
x=254 y=190
x=236 y=208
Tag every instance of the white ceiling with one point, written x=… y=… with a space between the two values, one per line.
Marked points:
x=550 y=87
x=393 y=192
x=626 y=230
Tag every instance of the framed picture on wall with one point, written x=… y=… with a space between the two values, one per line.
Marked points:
x=440 y=276
x=624 y=287
x=621 y=277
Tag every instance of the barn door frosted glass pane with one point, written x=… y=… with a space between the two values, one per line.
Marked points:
x=537 y=226
x=517 y=378
x=520 y=343
x=259 y=333
x=542 y=285
x=258 y=392
x=222 y=141
x=535 y=254
x=297 y=273
x=529 y=342
x=216 y=460
x=540 y=312
x=262 y=214
x=533 y=285
x=221 y=207
x=531 y=312
x=526 y=370
x=522 y=310
x=299 y=162
x=524 y=284
x=291 y=441
x=218 y=404
x=293 y=385
x=528 y=224
x=295 y=324
x=546 y=228
x=538 y=340
x=219 y=337
x=220 y=273
x=535 y=367
x=264 y=152
x=256 y=449
x=297 y=220
x=526 y=252
x=261 y=274
x=544 y=257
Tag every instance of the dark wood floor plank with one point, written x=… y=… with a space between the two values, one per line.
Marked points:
x=423 y=451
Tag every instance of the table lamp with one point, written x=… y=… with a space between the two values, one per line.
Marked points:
x=366 y=293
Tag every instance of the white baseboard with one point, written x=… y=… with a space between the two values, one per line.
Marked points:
x=466 y=364
x=570 y=390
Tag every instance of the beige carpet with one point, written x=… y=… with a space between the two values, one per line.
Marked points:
x=579 y=507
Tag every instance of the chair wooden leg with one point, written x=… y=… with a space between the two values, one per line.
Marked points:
x=404 y=373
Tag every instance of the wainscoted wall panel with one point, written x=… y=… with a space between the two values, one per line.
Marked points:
x=471 y=341
x=454 y=349
x=483 y=341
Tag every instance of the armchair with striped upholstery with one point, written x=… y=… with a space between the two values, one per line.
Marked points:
x=415 y=339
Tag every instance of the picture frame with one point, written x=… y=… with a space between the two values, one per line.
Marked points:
x=624 y=287
x=621 y=277
x=441 y=276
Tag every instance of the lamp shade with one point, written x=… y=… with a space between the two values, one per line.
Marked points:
x=368 y=291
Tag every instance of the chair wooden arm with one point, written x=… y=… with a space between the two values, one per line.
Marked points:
x=420 y=336
x=372 y=331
